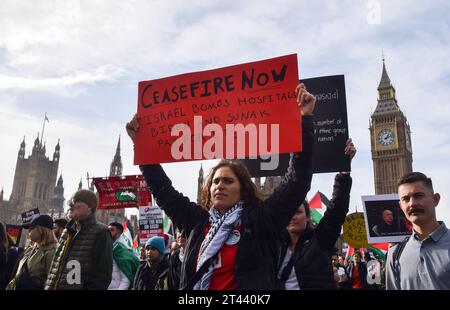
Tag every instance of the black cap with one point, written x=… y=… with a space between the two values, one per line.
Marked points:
x=42 y=220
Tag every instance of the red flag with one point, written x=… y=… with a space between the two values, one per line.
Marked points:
x=315 y=202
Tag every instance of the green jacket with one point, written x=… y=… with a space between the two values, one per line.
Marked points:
x=37 y=260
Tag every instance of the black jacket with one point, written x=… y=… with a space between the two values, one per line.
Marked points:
x=148 y=278
x=312 y=256
x=362 y=268
x=92 y=248
x=173 y=277
x=256 y=258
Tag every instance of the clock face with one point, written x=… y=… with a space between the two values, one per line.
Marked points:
x=385 y=137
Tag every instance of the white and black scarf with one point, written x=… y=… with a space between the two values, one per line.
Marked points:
x=221 y=227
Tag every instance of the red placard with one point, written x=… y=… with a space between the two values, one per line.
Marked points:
x=120 y=192
x=243 y=110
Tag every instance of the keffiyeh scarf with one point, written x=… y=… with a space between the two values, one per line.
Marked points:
x=221 y=227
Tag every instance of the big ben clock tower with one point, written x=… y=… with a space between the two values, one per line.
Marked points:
x=390 y=138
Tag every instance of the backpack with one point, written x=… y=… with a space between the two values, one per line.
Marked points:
x=396 y=258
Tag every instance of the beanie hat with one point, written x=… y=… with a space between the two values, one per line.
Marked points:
x=157 y=242
x=86 y=196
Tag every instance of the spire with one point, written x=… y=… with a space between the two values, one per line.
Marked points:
x=118 y=148
x=387 y=101
x=22 y=149
x=385 y=81
x=200 y=184
x=36 y=142
x=200 y=176
x=56 y=154
x=90 y=182
x=200 y=172
x=80 y=185
x=58 y=197
x=37 y=146
x=1 y=195
x=60 y=180
x=116 y=164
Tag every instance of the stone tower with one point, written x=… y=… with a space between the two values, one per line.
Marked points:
x=58 y=198
x=390 y=137
x=115 y=215
x=34 y=178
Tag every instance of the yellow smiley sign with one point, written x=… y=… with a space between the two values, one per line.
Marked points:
x=355 y=230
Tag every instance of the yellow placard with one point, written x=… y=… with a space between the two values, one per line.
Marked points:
x=355 y=230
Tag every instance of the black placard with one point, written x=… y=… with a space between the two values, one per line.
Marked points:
x=330 y=126
x=29 y=215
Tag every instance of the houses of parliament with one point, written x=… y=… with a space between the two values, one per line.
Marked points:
x=37 y=185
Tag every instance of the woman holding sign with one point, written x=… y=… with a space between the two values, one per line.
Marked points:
x=233 y=237
x=305 y=254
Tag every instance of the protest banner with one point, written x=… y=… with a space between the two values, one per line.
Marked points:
x=29 y=215
x=150 y=222
x=354 y=230
x=330 y=127
x=233 y=112
x=118 y=192
x=385 y=221
x=15 y=232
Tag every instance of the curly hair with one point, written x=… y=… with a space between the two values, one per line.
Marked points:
x=249 y=192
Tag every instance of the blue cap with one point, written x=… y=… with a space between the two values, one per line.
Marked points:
x=157 y=242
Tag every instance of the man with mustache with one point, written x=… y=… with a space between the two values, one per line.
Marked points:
x=422 y=261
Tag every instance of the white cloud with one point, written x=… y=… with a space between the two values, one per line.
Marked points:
x=100 y=74
x=102 y=49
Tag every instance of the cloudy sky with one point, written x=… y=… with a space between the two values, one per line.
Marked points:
x=81 y=61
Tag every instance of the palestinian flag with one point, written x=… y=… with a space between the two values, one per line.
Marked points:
x=127 y=239
x=125 y=259
x=351 y=250
x=379 y=249
x=167 y=225
x=315 y=204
